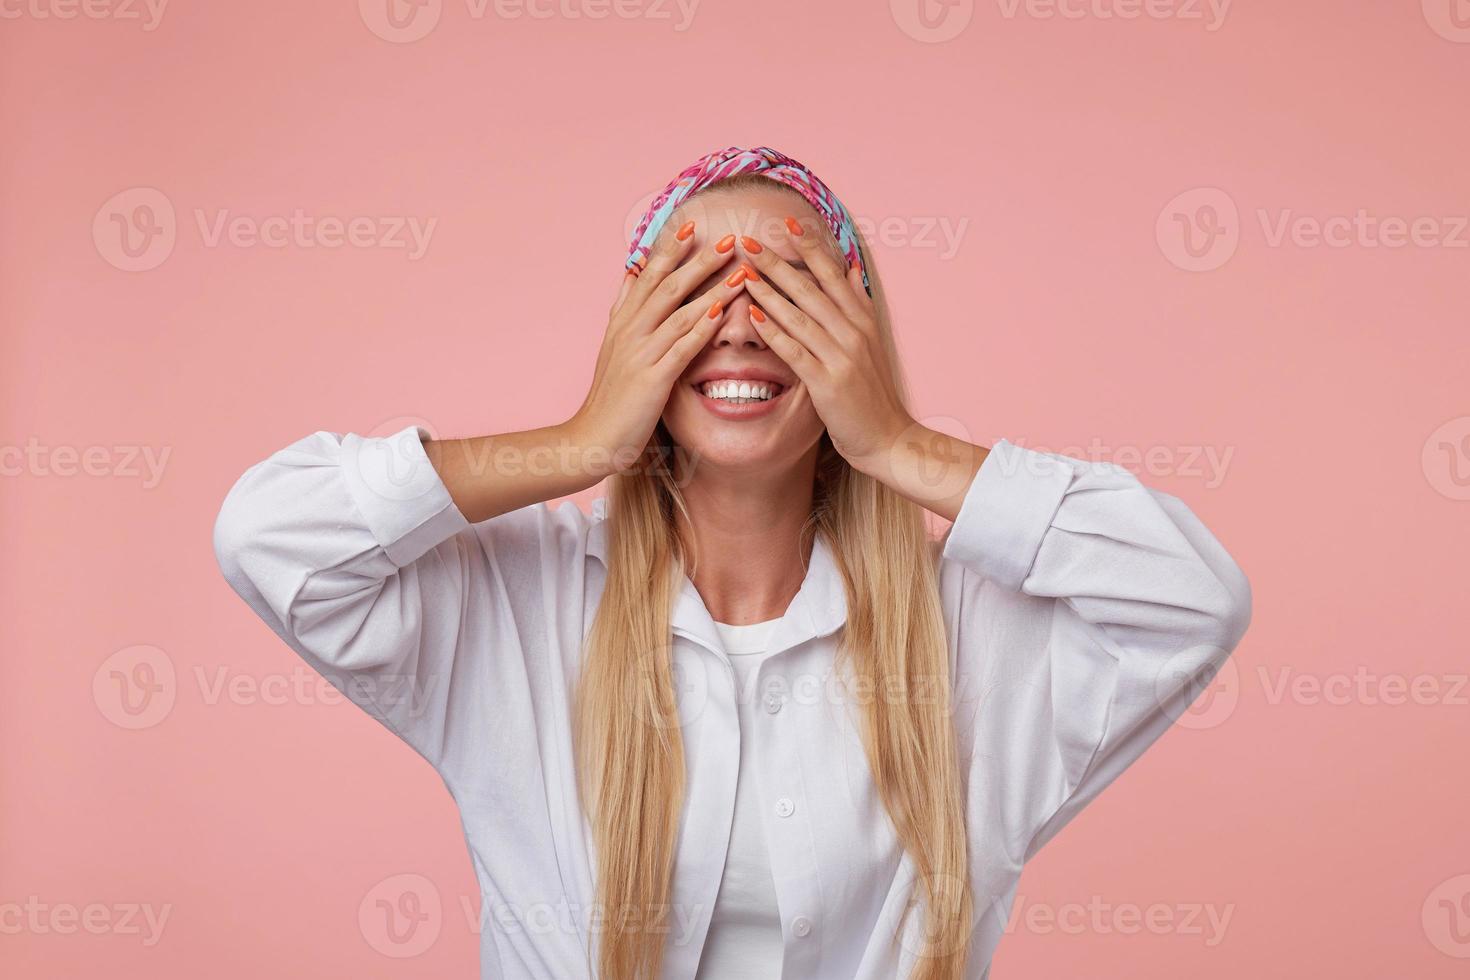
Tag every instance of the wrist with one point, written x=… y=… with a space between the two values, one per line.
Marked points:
x=599 y=452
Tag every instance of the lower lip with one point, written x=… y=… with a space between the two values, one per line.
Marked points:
x=739 y=413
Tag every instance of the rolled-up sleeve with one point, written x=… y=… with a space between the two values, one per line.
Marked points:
x=1140 y=604
x=350 y=549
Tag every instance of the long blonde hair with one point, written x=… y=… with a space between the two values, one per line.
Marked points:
x=630 y=753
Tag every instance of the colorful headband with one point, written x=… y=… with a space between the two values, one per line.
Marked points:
x=724 y=164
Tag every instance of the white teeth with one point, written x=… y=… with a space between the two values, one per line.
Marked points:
x=739 y=392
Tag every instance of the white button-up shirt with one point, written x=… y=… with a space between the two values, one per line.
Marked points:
x=1083 y=612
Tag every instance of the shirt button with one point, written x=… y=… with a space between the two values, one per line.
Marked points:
x=773 y=703
x=784 y=807
x=801 y=926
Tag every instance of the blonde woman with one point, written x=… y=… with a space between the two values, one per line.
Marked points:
x=747 y=720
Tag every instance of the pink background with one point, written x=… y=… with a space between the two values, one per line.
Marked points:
x=1326 y=383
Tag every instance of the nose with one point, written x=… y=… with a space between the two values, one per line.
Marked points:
x=735 y=331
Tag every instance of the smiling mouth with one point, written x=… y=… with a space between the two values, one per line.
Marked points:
x=731 y=392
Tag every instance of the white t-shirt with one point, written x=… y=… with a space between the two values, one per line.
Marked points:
x=744 y=940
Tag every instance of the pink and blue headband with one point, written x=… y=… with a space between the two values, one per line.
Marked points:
x=724 y=164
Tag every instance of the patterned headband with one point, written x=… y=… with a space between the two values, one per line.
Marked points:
x=724 y=164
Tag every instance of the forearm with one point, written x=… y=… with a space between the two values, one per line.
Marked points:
x=930 y=468
x=492 y=475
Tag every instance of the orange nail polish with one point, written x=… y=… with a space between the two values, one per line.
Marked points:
x=757 y=315
x=735 y=277
x=750 y=273
x=685 y=231
x=716 y=308
x=794 y=226
x=725 y=244
x=634 y=271
x=751 y=245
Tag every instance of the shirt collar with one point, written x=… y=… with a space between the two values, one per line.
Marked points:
x=819 y=608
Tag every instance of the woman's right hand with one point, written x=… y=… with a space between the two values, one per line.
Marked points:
x=654 y=330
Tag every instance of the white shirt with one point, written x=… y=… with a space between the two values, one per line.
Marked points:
x=1082 y=611
x=744 y=940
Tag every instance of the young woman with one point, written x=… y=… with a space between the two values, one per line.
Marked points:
x=747 y=719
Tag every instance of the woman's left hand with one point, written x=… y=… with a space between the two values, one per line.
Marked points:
x=827 y=333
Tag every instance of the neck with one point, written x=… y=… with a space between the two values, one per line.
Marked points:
x=749 y=561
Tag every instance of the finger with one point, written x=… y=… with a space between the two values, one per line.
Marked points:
x=673 y=242
x=855 y=280
x=802 y=291
x=796 y=322
x=831 y=272
x=629 y=278
x=659 y=299
x=786 y=347
x=704 y=314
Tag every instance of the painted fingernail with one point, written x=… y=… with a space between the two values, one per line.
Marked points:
x=715 y=309
x=757 y=315
x=736 y=277
x=794 y=226
x=685 y=231
x=725 y=244
x=751 y=245
x=750 y=273
x=633 y=271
